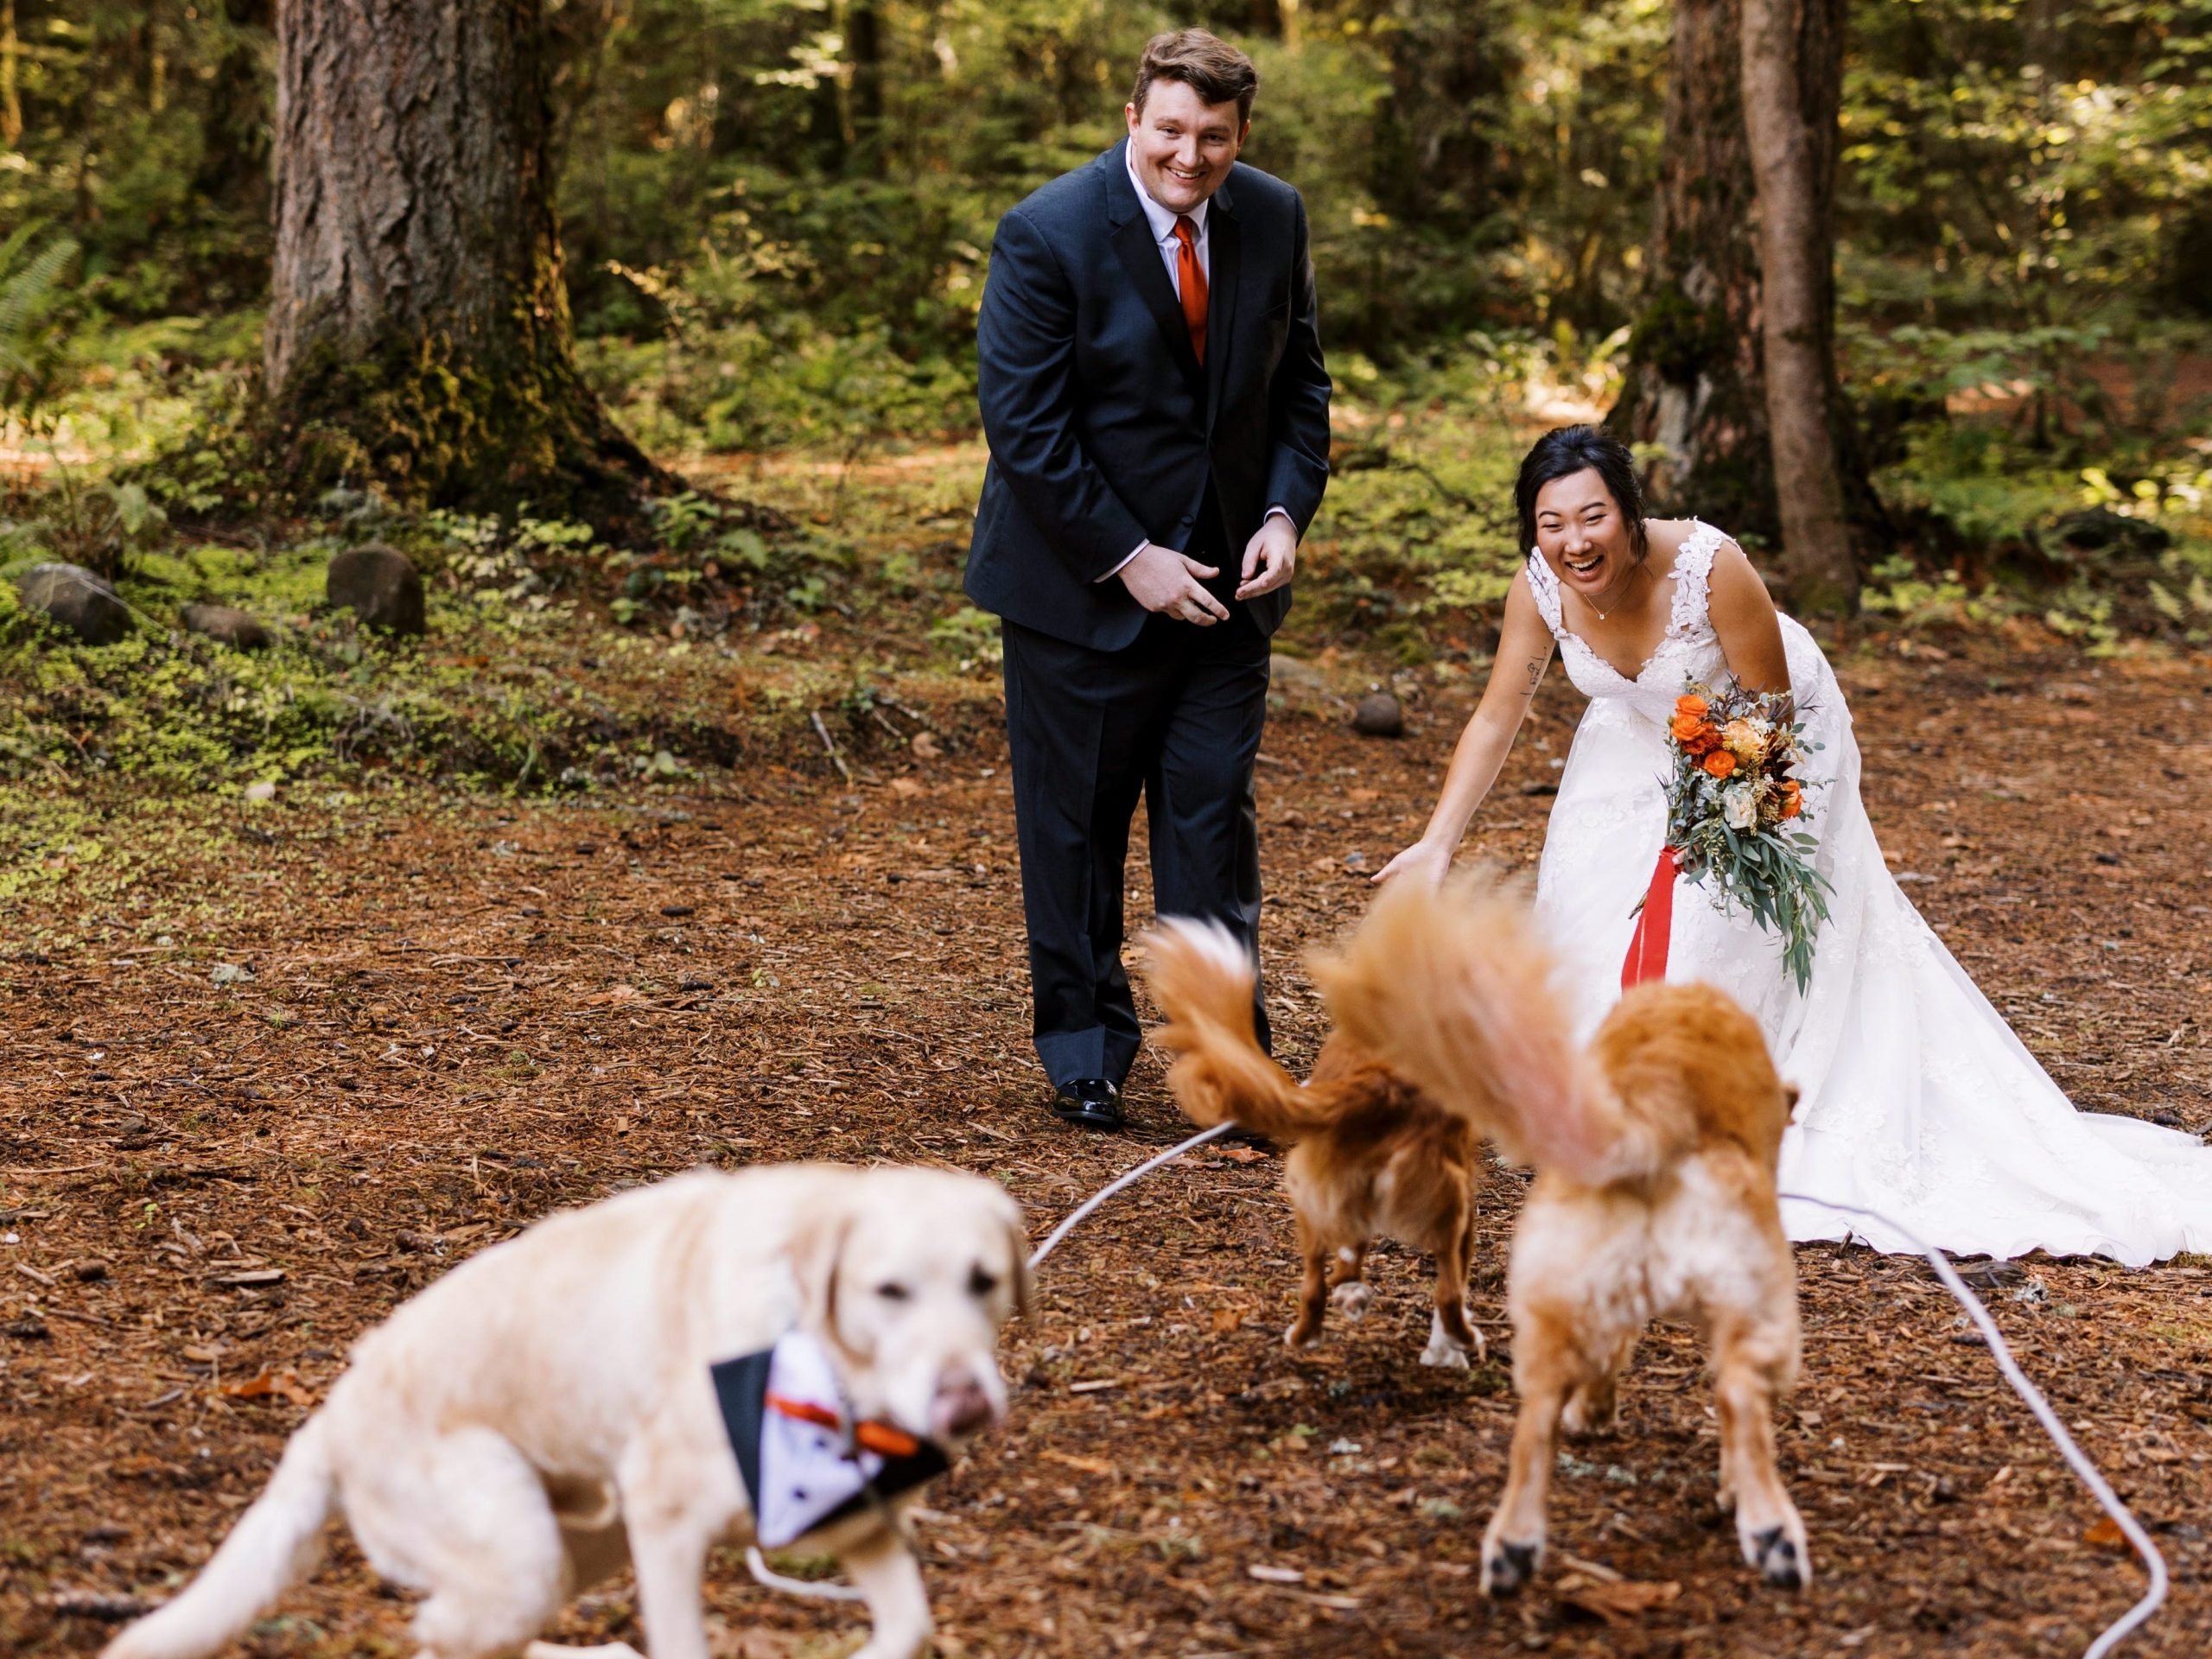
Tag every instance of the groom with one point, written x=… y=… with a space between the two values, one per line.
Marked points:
x=1158 y=413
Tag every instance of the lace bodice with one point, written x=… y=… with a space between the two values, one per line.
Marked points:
x=1688 y=649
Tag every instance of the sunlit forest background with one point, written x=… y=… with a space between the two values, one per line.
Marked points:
x=774 y=224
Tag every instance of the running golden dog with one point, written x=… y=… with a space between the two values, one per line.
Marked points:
x=1368 y=1154
x=1655 y=1152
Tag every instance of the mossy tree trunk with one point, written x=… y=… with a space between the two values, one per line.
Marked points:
x=1792 y=74
x=418 y=326
x=1695 y=390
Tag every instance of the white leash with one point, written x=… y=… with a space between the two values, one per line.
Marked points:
x=1053 y=1239
x=2099 y=1487
x=2075 y=1458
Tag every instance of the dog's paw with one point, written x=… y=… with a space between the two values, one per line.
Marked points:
x=1508 y=1567
x=1353 y=1297
x=1299 y=1338
x=1444 y=1354
x=1584 y=1416
x=1781 y=1559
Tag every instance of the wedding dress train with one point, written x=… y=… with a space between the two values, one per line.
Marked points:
x=1916 y=1098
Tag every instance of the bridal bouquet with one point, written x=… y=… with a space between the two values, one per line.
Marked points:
x=1734 y=812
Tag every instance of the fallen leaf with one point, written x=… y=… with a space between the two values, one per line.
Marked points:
x=277 y=1385
x=1616 y=1603
x=1088 y=1465
x=1226 y=1320
x=925 y=746
x=906 y=787
x=2105 y=1534
x=1240 y=1154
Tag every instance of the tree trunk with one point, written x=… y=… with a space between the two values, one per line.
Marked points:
x=1792 y=76
x=1695 y=392
x=864 y=51
x=11 y=100
x=418 y=328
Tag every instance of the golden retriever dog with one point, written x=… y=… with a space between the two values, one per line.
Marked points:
x=1655 y=1152
x=1370 y=1154
x=545 y=1411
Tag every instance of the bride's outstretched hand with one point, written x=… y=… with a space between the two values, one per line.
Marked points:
x=1423 y=862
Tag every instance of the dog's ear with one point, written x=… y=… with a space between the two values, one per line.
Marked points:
x=1790 y=1097
x=817 y=1250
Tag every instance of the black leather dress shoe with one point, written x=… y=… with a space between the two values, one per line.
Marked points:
x=1093 y=1102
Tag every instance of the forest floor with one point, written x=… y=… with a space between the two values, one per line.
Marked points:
x=273 y=1069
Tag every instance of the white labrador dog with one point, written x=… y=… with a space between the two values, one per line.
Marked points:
x=509 y=1435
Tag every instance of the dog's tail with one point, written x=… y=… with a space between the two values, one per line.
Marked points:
x=1203 y=980
x=1454 y=990
x=274 y=1545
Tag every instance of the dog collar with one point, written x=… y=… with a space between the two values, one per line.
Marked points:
x=805 y=1462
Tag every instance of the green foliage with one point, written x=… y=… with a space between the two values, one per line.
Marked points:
x=32 y=299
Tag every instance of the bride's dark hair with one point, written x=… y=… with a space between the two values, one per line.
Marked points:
x=1570 y=449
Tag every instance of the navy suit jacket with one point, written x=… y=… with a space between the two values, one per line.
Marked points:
x=1104 y=429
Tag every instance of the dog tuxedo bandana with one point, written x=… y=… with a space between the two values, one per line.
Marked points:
x=805 y=1462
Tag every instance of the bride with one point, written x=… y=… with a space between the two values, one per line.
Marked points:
x=1916 y=1099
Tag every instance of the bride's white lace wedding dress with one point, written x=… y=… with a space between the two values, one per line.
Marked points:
x=1917 y=1100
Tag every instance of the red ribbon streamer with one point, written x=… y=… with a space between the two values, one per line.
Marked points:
x=1647 y=947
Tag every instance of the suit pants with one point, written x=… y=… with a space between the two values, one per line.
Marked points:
x=1175 y=717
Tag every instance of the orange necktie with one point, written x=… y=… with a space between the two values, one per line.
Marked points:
x=1191 y=277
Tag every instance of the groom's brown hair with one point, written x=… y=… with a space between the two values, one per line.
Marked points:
x=1209 y=65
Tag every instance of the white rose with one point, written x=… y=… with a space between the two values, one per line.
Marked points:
x=1740 y=805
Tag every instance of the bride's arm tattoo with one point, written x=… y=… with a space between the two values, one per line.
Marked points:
x=1536 y=673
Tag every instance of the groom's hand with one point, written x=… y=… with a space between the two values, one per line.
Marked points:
x=1162 y=580
x=1269 y=557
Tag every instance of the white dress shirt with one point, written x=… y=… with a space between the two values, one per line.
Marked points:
x=1163 y=229
x=1162 y=222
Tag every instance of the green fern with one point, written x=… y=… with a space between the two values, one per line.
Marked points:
x=31 y=359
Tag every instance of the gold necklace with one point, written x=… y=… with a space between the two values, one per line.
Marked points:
x=1603 y=616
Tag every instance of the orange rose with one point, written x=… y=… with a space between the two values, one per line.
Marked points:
x=1793 y=798
x=1693 y=706
x=1719 y=763
x=1686 y=725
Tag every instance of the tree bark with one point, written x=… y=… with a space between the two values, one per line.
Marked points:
x=1792 y=78
x=1695 y=392
x=864 y=51
x=419 y=326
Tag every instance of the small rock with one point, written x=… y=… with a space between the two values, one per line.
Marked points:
x=1379 y=714
x=225 y=625
x=229 y=973
x=2098 y=529
x=379 y=585
x=263 y=791
x=1289 y=674
x=1355 y=860
x=74 y=598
